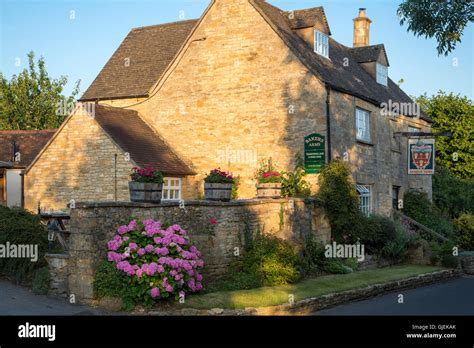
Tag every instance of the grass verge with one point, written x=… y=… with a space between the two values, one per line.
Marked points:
x=277 y=295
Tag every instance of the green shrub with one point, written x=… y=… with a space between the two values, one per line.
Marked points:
x=294 y=183
x=434 y=259
x=273 y=260
x=417 y=206
x=336 y=266
x=465 y=228
x=109 y=282
x=449 y=261
x=268 y=261
x=18 y=226
x=314 y=259
x=440 y=252
x=396 y=248
x=41 y=281
x=313 y=254
x=338 y=196
x=352 y=263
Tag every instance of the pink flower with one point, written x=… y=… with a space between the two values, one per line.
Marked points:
x=132 y=225
x=139 y=273
x=141 y=252
x=122 y=229
x=113 y=256
x=214 y=221
x=113 y=245
x=155 y=292
x=149 y=248
x=133 y=246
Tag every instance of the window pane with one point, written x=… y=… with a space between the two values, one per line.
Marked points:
x=321 y=43
x=362 y=125
x=171 y=189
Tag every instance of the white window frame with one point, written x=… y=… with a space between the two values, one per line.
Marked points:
x=365 y=198
x=382 y=74
x=412 y=129
x=321 y=43
x=171 y=191
x=362 y=125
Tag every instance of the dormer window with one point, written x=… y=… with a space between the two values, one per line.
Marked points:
x=382 y=74
x=321 y=44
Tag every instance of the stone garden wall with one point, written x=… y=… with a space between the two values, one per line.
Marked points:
x=93 y=224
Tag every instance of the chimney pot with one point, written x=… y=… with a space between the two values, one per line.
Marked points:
x=361 y=29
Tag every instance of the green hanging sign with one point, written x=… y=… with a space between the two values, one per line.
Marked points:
x=314 y=153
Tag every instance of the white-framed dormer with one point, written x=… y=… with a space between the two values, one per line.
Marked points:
x=381 y=73
x=321 y=43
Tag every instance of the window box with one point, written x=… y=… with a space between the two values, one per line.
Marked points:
x=217 y=192
x=269 y=190
x=145 y=192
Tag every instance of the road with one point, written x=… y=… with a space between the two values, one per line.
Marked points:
x=16 y=300
x=453 y=297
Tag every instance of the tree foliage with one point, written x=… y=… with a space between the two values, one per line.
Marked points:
x=30 y=100
x=452 y=195
x=455 y=114
x=445 y=20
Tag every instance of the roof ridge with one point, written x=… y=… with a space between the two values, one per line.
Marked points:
x=368 y=46
x=305 y=9
x=164 y=24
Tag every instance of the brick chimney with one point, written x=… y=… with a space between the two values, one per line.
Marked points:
x=361 y=29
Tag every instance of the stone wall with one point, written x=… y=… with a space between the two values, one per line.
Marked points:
x=92 y=225
x=59 y=273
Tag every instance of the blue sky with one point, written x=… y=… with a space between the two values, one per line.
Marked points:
x=76 y=38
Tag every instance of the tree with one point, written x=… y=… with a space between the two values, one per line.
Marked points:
x=31 y=99
x=445 y=20
x=455 y=114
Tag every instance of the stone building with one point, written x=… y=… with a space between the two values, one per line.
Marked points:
x=18 y=149
x=245 y=82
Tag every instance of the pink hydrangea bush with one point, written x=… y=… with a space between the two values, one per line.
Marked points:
x=159 y=261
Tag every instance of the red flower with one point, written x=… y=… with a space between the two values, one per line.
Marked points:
x=214 y=222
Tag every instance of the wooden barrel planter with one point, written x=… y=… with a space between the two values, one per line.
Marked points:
x=145 y=192
x=269 y=190
x=217 y=192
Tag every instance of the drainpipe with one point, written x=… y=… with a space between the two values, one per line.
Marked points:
x=115 y=177
x=13 y=151
x=328 y=120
